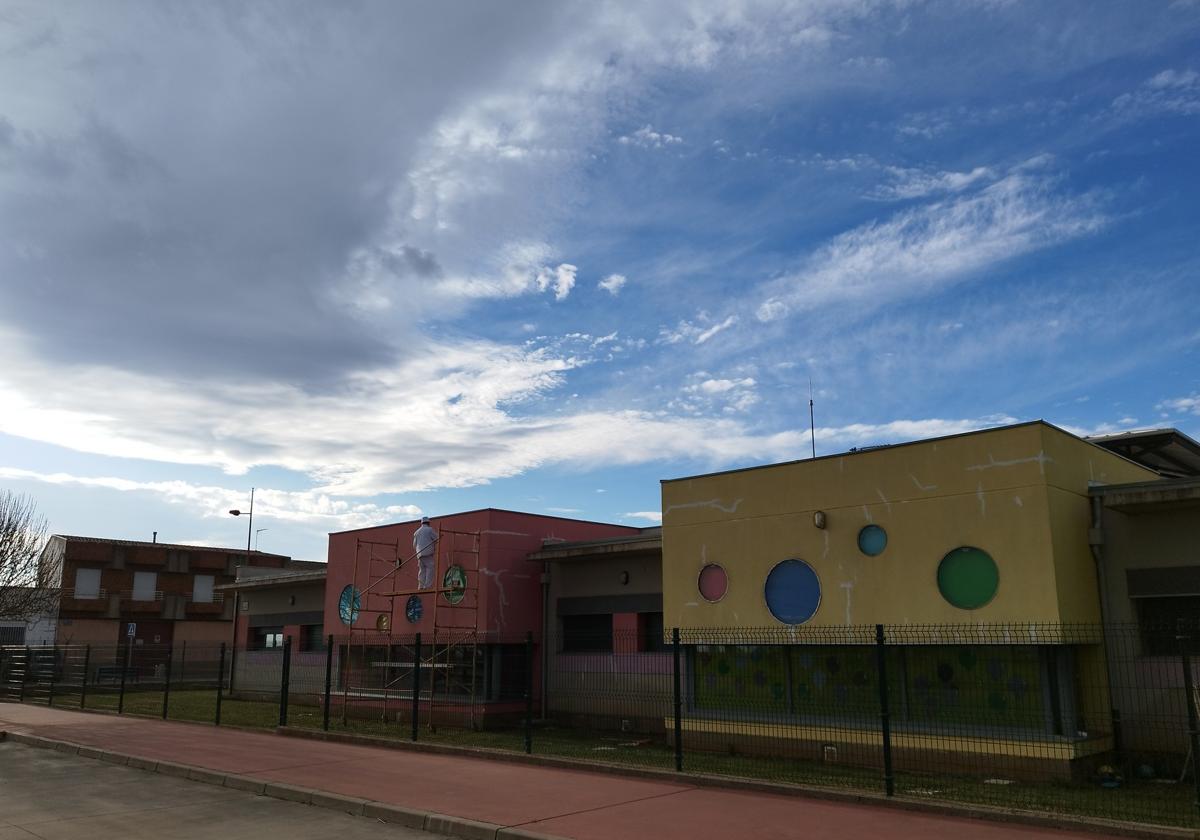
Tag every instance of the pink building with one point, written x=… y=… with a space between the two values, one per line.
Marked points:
x=486 y=596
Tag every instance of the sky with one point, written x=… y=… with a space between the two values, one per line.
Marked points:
x=380 y=259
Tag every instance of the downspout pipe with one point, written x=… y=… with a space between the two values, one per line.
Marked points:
x=1096 y=544
x=545 y=636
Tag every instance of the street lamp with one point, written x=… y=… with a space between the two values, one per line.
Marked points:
x=237 y=594
x=249 y=525
x=258 y=531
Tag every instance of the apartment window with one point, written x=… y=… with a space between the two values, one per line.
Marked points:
x=650 y=632
x=87 y=583
x=12 y=635
x=587 y=633
x=267 y=638
x=1164 y=620
x=144 y=585
x=202 y=589
x=312 y=637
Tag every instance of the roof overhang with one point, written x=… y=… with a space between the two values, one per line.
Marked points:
x=1168 y=452
x=275 y=581
x=1150 y=496
x=648 y=544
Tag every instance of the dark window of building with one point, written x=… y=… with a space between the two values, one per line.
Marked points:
x=312 y=637
x=1164 y=620
x=587 y=633
x=509 y=672
x=267 y=638
x=12 y=635
x=650 y=632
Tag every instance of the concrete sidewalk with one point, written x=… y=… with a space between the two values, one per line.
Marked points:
x=481 y=797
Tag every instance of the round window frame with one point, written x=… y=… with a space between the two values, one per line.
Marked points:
x=858 y=539
x=820 y=592
x=938 y=571
x=700 y=574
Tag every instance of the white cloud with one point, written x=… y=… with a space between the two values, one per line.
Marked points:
x=649 y=515
x=308 y=507
x=907 y=183
x=561 y=279
x=439 y=420
x=613 y=283
x=647 y=138
x=1181 y=405
x=1168 y=92
x=930 y=246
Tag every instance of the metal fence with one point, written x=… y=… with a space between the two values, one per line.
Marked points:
x=1087 y=720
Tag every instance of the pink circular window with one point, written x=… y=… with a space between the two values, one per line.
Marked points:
x=713 y=582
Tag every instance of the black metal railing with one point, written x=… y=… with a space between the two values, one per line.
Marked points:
x=1083 y=720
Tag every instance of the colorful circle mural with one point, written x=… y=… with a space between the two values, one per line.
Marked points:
x=792 y=591
x=872 y=540
x=413 y=609
x=713 y=583
x=968 y=578
x=455 y=580
x=349 y=603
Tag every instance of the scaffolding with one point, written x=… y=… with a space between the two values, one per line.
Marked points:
x=387 y=659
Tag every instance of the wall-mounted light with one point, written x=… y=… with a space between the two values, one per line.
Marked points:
x=624 y=578
x=819 y=519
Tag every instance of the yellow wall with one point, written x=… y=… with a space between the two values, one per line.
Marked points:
x=1018 y=493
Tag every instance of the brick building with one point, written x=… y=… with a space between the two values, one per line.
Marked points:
x=168 y=591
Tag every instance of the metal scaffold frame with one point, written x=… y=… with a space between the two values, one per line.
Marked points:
x=455 y=604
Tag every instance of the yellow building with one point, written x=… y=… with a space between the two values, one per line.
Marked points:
x=973 y=551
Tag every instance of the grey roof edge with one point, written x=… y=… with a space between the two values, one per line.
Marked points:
x=180 y=546
x=268 y=581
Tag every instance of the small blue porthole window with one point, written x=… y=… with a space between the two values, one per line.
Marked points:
x=872 y=540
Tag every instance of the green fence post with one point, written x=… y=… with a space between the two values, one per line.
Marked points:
x=328 y=679
x=167 y=683
x=528 y=691
x=87 y=662
x=183 y=662
x=53 y=675
x=885 y=723
x=24 y=676
x=220 y=685
x=678 y=689
x=416 y=698
x=284 y=678
x=1189 y=700
x=124 y=666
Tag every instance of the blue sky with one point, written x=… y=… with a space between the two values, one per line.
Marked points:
x=381 y=260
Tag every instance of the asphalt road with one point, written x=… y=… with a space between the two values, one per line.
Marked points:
x=54 y=796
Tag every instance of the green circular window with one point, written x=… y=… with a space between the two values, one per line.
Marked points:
x=872 y=540
x=968 y=578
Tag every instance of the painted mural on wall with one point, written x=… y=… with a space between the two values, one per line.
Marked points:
x=982 y=685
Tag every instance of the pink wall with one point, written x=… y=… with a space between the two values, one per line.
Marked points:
x=509 y=586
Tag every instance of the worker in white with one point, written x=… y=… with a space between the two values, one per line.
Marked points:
x=424 y=542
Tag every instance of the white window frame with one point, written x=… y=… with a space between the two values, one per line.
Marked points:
x=84 y=590
x=142 y=580
x=202 y=589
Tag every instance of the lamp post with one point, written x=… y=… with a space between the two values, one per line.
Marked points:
x=258 y=531
x=237 y=595
x=249 y=525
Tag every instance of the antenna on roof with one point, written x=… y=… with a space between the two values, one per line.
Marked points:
x=812 y=425
x=155 y=538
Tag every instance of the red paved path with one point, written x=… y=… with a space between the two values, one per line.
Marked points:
x=569 y=803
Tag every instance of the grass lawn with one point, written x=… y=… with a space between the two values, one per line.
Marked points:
x=1140 y=801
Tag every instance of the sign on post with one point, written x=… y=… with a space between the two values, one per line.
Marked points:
x=131 y=630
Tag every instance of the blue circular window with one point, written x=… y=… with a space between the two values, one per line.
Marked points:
x=872 y=540
x=413 y=609
x=349 y=603
x=793 y=592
